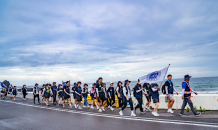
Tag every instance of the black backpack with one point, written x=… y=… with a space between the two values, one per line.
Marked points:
x=163 y=89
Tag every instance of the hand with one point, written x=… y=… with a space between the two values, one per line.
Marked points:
x=159 y=87
x=79 y=94
x=146 y=95
x=127 y=98
x=177 y=93
x=143 y=88
x=110 y=97
x=196 y=93
x=168 y=96
x=105 y=95
x=182 y=97
x=98 y=95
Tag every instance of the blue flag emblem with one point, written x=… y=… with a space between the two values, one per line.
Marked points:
x=154 y=76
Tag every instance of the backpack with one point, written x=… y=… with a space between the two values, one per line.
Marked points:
x=163 y=89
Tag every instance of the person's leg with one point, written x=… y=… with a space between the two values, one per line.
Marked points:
x=54 y=98
x=169 y=104
x=191 y=106
x=156 y=106
x=140 y=105
x=131 y=104
x=183 y=105
x=137 y=106
x=34 y=97
x=38 y=98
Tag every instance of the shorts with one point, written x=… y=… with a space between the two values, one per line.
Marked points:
x=66 y=96
x=101 y=98
x=171 y=97
x=79 y=98
x=155 y=100
x=46 y=95
x=148 y=98
x=60 y=96
x=15 y=94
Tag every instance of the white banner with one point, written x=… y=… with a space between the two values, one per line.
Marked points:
x=154 y=77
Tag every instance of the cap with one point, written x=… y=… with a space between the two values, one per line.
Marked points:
x=54 y=82
x=94 y=84
x=187 y=76
x=120 y=82
x=59 y=85
x=86 y=84
x=111 y=83
x=78 y=82
x=100 y=78
x=36 y=84
x=127 y=81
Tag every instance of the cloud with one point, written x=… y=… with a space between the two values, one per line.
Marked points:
x=114 y=39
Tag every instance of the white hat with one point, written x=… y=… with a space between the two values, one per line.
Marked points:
x=111 y=83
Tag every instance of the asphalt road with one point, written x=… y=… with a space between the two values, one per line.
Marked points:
x=23 y=115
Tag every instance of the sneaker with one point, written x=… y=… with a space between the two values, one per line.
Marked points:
x=79 y=107
x=97 y=107
x=142 y=113
x=24 y=99
x=121 y=112
x=182 y=114
x=99 y=110
x=84 y=106
x=111 y=108
x=88 y=106
x=76 y=106
x=14 y=99
x=71 y=106
x=63 y=105
x=197 y=114
x=47 y=104
x=148 y=109
x=133 y=114
x=170 y=111
x=102 y=108
x=92 y=107
x=155 y=113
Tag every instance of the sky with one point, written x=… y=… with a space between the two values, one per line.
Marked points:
x=45 y=41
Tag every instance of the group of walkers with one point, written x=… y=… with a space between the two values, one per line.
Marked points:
x=102 y=95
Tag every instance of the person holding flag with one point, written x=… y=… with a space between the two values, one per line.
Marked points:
x=186 y=96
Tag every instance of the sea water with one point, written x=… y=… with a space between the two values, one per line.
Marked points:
x=201 y=85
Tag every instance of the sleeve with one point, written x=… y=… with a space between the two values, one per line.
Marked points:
x=193 y=90
x=167 y=84
x=124 y=91
x=138 y=90
x=154 y=89
x=50 y=91
x=96 y=89
x=83 y=90
x=183 y=89
x=21 y=90
x=92 y=91
x=43 y=91
x=145 y=92
x=174 y=89
x=104 y=90
x=76 y=91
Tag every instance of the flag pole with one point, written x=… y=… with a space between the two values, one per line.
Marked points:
x=165 y=75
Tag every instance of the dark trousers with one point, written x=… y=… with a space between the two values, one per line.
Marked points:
x=125 y=103
x=54 y=97
x=110 y=101
x=189 y=101
x=139 y=105
x=24 y=95
x=36 y=95
x=120 y=102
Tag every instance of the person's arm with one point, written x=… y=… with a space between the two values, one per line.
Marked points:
x=66 y=91
x=33 y=90
x=145 y=92
x=183 y=89
x=109 y=92
x=51 y=92
x=124 y=92
x=139 y=90
x=154 y=89
x=97 y=91
x=43 y=91
x=20 y=91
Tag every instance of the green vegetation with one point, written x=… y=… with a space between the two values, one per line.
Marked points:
x=204 y=110
x=187 y=109
x=195 y=108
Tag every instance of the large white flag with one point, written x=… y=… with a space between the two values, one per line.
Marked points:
x=154 y=77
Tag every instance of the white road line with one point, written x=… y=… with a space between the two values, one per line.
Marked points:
x=118 y=117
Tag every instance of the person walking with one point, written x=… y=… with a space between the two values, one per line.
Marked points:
x=36 y=93
x=169 y=92
x=85 y=95
x=147 y=87
x=155 y=97
x=127 y=98
x=119 y=93
x=14 y=92
x=24 y=92
x=111 y=96
x=186 y=96
x=54 y=91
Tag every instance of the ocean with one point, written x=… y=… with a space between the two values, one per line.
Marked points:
x=205 y=85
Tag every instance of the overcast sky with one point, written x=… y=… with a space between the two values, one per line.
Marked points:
x=57 y=40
